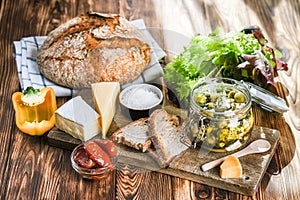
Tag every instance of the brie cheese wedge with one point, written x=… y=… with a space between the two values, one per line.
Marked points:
x=78 y=119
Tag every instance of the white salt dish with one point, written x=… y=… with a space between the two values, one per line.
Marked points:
x=140 y=100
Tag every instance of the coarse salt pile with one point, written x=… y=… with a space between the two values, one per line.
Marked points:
x=141 y=98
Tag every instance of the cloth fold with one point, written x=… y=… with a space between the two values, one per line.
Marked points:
x=25 y=54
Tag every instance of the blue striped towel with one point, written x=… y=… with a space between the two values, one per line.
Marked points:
x=25 y=54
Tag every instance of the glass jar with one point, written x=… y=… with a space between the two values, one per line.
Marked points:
x=220 y=115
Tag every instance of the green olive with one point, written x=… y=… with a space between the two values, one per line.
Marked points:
x=240 y=97
x=221 y=144
x=231 y=94
x=201 y=99
x=209 y=105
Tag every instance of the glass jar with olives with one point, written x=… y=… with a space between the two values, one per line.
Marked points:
x=220 y=115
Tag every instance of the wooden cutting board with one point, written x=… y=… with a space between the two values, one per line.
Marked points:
x=187 y=165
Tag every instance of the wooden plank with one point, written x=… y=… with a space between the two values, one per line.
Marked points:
x=277 y=20
x=29 y=168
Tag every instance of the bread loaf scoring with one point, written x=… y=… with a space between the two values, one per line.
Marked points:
x=93 y=48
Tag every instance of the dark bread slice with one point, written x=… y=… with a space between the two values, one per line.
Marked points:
x=134 y=135
x=165 y=132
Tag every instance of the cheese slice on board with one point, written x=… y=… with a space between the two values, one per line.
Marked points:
x=105 y=97
x=78 y=119
x=231 y=168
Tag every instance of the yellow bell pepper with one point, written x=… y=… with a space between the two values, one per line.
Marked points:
x=34 y=110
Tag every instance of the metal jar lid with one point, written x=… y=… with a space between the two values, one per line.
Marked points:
x=266 y=99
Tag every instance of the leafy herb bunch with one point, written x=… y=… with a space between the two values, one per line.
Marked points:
x=241 y=55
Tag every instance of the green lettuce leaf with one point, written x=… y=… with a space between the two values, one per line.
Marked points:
x=222 y=54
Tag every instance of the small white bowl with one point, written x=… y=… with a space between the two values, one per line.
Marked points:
x=140 y=100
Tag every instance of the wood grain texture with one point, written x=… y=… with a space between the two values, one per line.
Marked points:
x=31 y=169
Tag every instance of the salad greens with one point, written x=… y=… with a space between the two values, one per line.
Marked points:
x=236 y=55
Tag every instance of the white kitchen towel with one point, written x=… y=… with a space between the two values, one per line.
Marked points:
x=25 y=53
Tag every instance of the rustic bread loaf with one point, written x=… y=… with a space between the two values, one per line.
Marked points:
x=134 y=135
x=93 y=48
x=165 y=132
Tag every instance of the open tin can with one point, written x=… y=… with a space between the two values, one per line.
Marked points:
x=220 y=115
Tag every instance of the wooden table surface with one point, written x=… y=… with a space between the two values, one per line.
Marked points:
x=32 y=169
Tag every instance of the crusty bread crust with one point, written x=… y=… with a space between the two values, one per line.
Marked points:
x=165 y=132
x=93 y=48
x=134 y=135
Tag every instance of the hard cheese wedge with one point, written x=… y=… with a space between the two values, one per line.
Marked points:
x=78 y=119
x=231 y=168
x=105 y=96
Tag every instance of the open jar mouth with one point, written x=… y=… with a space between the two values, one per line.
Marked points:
x=216 y=98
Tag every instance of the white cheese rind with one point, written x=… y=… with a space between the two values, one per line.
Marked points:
x=78 y=119
x=105 y=97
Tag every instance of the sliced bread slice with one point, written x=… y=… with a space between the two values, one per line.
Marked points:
x=165 y=132
x=134 y=135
